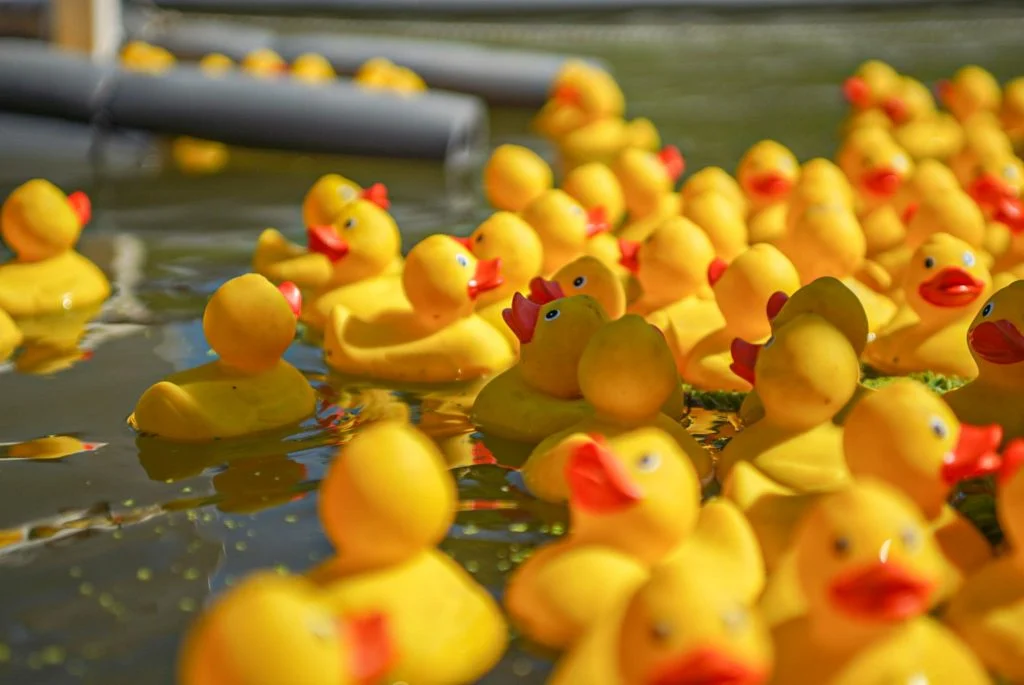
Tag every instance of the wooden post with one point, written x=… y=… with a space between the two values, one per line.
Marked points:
x=90 y=26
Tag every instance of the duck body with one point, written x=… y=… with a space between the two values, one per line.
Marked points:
x=367 y=298
x=508 y=407
x=49 y=286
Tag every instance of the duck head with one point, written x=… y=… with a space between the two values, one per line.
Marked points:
x=311 y=67
x=871 y=84
x=515 y=176
x=38 y=221
x=647 y=176
x=944 y=278
x=996 y=337
x=767 y=172
x=830 y=299
x=442 y=279
x=563 y=226
x=594 y=185
x=970 y=91
x=715 y=179
x=997 y=179
x=827 y=240
x=672 y=262
x=874 y=163
x=264 y=63
x=363 y=241
x=332 y=193
x=588 y=275
x=507 y=237
x=742 y=289
x=954 y=213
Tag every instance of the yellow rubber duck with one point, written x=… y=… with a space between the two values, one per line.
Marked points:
x=249 y=389
x=645 y=177
x=716 y=179
x=767 y=172
x=875 y=165
x=196 y=156
x=918 y=126
x=669 y=206
x=929 y=178
x=433 y=335
x=387 y=559
x=332 y=193
x=680 y=626
x=984 y=140
x=869 y=569
x=541 y=394
x=995 y=339
x=216 y=63
x=564 y=227
x=717 y=216
x=580 y=93
x=742 y=290
x=604 y=140
x=48 y=448
x=997 y=177
x=139 y=55
x=1011 y=114
x=275 y=630
x=588 y=275
x=626 y=372
x=871 y=85
x=379 y=73
x=971 y=90
x=264 y=63
x=515 y=176
x=313 y=68
x=944 y=286
x=820 y=182
x=41 y=226
x=952 y=212
x=595 y=185
x=10 y=336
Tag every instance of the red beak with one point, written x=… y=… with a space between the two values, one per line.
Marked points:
x=716 y=268
x=988 y=189
x=1013 y=457
x=945 y=91
x=487 y=277
x=598 y=482
x=377 y=194
x=293 y=296
x=951 y=287
x=567 y=96
x=881 y=592
x=597 y=221
x=997 y=342
x=857 y=92
x=896 y=109
x=673 y=161
x=775 y=304
x=542 y=291
x=465 y=242
x=1010 y=211
x=521 y=317
x=744 y=358
x=630 y=251
x=707 y=666
x=771 y=185
x=884 y=181
x=326 y=241
x=910 y=212
x=975 y=454
x=368 y=640
x=81 y=206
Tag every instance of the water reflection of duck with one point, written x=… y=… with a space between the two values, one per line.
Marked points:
x=54 y=343
x=47 y=448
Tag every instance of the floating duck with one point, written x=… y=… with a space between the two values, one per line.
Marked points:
x=741 y=290
x=1011 y=113
x=983 y=140
x=869 y=568
x=716 y=179
x=580 y=94
x=249 y=389
x=971 y=90
x=929 y=178
x=918 y=126
x=996 y=343
x=820 y=182
x=944 y=287
x=41 y=226
x=564 y=227
x=140 y=56
x=264 y=63
x=604 y=140
x=515 y=176
x=646 y=177
x=875 y=165
x=387 y=557
x=717 y=216
x=595 y=185
x=313 y=68
x=588 y=275
x=10 y=336
x=300 y=640
x=432 y=334
x=626 y=374
x=680 y=626
x=871 y=85
x=216 y=63
x=196 y=156
x=332 y=193
x=767 y=173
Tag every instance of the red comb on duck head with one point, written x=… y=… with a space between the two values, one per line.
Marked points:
x=716 y=268
x=81 y=206
x=293 y=296
x=673 y=161
x=369 y=640
x=744 y=359
x=543 y=291
x=896 y=109
x=630 y=255
x=975 y=455
x=521 y=317
x=775 y=304
x=566 y=95
x=597 y=221
x=377 y=194
x=857 y=92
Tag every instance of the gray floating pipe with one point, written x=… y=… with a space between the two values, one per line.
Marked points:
x=333 y=119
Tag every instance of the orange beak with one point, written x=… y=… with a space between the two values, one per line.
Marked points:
x=975 y=454
x=377 y=194
x=744 y=359
x=771 y=185
x=567 y=96
x=884 y=181
x=951 y=287
x=630 y=251
x=487 y=277
x=293 y=296
x=997 y=342
x=707 y=666
x=542 y=291
x=81 y=206
x=597 y=221
x=857 y=92
x=1010 y=212
x=325 y=240
x=775 y=304
x=521 y=317
x=988 y=190
x=896 y=110
x=598 y=482
x=716 y=268
x=368 y=639
x=882 y=592
x=673 y=161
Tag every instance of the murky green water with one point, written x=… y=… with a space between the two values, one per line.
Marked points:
x=106 y=555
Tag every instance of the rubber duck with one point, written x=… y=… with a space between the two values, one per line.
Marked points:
x=48 y=448
x=820 y=182
x=988 y=612
x=541 y=394
x=313 y=68
x=944 y=286
x=670 y=205
x=626 y=372
x=741 y=290
x=930 y=177
x=604 y=140
x=984 y=139
x=954 y=213
x=379 y=73
x=299 y=639
x=515 y=176
x=216 y=63
x=970 y=91
x=433 y=333
x=995 y=179
x=875 y=165
x=264 y=63
x=646 y=176
x=595 y=185
x=718 y=217
x=10 y=336
x=579 y=94
x=387 y=556
x=563 y=226
x=869 y=568
x=918 y=126
x=716 y=179
x=1011 y=113
x=670 y=265
x=196 y=156
x=996 y=343
x=588 y=275
x=332 y=193
x=41 y=226
x=505 y=236
x=767 y=173
x=871 y=85
x=680 y=626
x=140 y=56
x=249 y=324
x=906 y=435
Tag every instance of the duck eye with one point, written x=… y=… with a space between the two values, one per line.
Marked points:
x=649 y=461
x=969 y=259
x=735 y=619
x=910 y=537
x=551 y=315
x=321 y=628
x=661 y=630
x=347 y=193
x=841 y=545
x=987 y=309
x=480 y=238
x=462 y=259
x=350 y=223
x=939 y=427
x=579 y=281
x=929 y=262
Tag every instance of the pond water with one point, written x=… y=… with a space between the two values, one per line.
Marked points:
x=107 y=554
